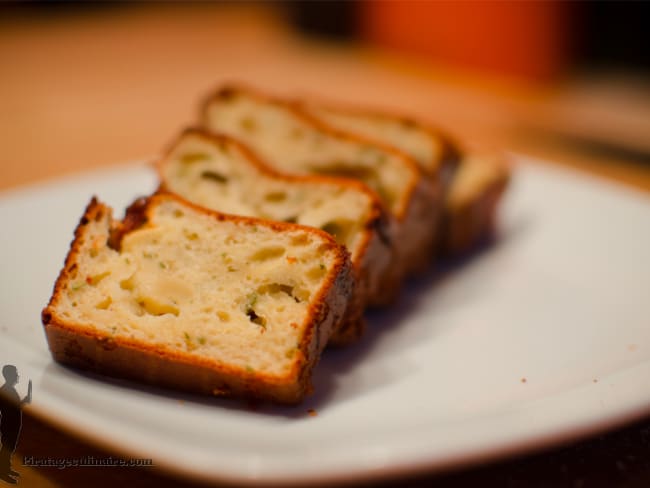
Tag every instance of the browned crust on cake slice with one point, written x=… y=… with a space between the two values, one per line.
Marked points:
x=416 y=223
x=372 y=260
x=82 y=346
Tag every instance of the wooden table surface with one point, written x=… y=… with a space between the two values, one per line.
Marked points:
x=116 y=83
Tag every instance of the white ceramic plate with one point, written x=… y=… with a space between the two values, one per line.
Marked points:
x=562 y=301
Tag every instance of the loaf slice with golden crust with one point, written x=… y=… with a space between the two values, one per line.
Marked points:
x=219 y=173
x=473 y=201
x=291 y=140
x=472 y=184
x=178 y=296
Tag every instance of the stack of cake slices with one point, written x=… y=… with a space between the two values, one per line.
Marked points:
x=275 y=225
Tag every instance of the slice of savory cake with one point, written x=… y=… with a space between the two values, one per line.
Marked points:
x=178 y=296
x=472 y=203
x=290 y=140
x=219 y=173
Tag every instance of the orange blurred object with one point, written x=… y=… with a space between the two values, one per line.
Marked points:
x=529 y=39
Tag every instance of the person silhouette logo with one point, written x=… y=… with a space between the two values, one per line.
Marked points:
x=11 y=419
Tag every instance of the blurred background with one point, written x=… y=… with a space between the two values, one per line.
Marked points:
x=86 y=84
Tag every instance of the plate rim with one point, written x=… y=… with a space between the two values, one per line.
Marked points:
x=517 y=448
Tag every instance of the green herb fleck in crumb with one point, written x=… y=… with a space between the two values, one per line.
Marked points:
x=162 y=265
x=188 y=342
x=249 y=369
x=251 y=300
x=77 y=286
x=247 y=124
x=201 y=340
x=322 y=266
x=147 y=255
